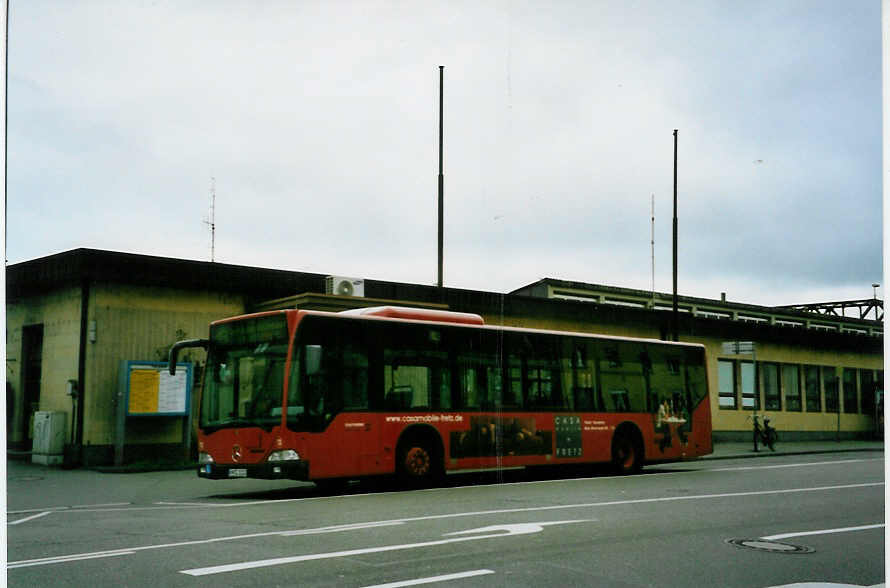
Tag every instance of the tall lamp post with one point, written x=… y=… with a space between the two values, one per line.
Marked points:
x=441 y=179
x=676 y=310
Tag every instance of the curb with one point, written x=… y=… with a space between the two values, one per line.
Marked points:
x=751 y=454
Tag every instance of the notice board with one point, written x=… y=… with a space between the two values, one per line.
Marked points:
x=152 y=391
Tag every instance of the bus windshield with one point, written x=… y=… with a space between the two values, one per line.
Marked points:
x=244 y=382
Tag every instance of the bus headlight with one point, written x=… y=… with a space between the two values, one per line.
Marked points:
x=204 y=458
x=285 y=455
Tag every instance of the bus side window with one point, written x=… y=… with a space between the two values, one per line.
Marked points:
x=580 y=375
x=475 y=382
x=534 y=372
x=354 y=376
x=416 y=379
x=621 y=371
x=470 y=396
x=478 y=370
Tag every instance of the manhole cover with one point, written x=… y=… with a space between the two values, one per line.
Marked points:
x=771 y=546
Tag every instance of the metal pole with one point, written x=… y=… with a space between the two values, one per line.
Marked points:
x=441 y=175
x=6 y=137
x=839 y=387
x=756 y=380
x=676 y=317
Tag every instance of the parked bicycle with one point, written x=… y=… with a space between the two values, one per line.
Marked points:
x=765 y=434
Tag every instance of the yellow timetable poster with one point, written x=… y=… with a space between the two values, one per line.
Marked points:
x=144 y=386
x=151 y=390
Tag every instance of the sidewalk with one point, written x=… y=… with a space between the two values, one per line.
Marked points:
x=732 y=450
x=723 y=450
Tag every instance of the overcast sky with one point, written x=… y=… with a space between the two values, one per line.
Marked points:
x=319 y=123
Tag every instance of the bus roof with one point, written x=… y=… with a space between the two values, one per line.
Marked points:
x=418 y=314
x=401 y=314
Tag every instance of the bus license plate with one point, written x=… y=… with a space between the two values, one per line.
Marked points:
x=237 y=473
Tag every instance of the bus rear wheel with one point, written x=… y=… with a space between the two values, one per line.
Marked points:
x=418 y=464
x=627 y=454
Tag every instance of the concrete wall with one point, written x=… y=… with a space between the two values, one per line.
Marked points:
x=59 y=313
x=140 y=323
x=130 y=323
x=797 y=424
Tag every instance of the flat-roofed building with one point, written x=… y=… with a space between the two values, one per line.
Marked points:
x=80 y=315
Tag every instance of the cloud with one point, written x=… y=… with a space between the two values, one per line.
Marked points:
x=319 y=122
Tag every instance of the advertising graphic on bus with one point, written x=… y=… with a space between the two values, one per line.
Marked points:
x=328 y=397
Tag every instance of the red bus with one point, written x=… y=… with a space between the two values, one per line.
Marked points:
x=328 y=397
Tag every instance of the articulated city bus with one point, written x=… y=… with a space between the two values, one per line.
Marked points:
x=329 y=397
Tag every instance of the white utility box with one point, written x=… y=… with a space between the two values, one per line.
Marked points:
x=50 y=430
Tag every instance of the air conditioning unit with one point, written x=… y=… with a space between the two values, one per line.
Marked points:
x=342 y=286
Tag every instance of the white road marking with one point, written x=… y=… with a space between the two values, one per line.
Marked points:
x=338 y=528
x=433 y=579
x=30 y=518
x=52 y=560
x=163 y=503
x=67 y=558
x=170 y=505
x=825 y=585
x=48 y=508
x=133 y=550
x=494 y=531
x=64 y=508
x=822 y=532
x=791 y=465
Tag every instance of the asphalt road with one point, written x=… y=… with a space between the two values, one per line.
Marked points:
x=745 y=522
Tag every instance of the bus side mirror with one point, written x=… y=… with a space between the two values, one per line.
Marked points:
x=174 y=351
x=313 y=360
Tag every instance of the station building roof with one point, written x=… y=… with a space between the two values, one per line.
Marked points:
x=273 y=288
x=787 y=316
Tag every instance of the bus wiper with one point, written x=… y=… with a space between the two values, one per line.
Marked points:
x=228 y=423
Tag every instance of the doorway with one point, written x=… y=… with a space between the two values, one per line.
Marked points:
x=32 y=367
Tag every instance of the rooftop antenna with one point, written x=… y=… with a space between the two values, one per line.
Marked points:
x=212 y=222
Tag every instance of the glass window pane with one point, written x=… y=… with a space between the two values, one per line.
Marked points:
x=829 y=378
x=812 y=388
x=580 y=374
x=867 y=391
x=621 y=375
x=726 y=383
x=851 y=398
x=772 y=400
x=750 y=397
x=791 y=386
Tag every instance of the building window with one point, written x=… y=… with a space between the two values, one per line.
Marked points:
x=791 y=387
x=829 y=377
x=851 y=399
x=726 y=383
x=750 y=391
x=867 y=391
x=772 y=400
x=812 y=389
